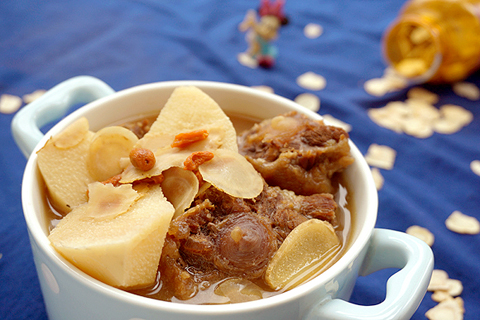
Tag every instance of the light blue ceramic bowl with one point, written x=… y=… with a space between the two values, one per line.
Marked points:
x=71 y=294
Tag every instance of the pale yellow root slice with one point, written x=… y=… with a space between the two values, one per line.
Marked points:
x=106 y=201
x=188 y=109
x=180 y=187
x=239 y=290
x=233 y=174
x=309 y=247
x=63 y=165
x=121 y=249
x=168 y=157
x=108 y=146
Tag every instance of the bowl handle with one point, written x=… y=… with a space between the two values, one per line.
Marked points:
x=405 y=289
x=52 y=106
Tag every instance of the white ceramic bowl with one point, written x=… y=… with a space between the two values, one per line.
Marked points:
x=71 y=294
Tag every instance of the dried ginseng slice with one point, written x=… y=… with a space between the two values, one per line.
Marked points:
x=108 y=146
x=233 y=174
x=239 y=290
x=179 y=187
x=307 y=249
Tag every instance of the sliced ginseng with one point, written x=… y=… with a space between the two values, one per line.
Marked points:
x=239 y=290
x=232 y=173
x=121 y=247
x=108 y=146
x=190 y=121
x=308 y=248
x=63 y=164
x=180 y=187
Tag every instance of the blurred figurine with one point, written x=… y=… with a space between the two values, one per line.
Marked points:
x=262 y=33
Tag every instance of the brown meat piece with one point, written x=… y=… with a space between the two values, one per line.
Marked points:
x=297 y=153
x=222 y=236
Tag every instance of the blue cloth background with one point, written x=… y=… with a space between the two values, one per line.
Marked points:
x=127 y=43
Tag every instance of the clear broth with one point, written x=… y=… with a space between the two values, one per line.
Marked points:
x=206 y=295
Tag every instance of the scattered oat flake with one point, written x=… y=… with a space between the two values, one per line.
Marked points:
x=377 y=178
x=30 y=97
x=247 y=60
x=462 y=223
x=466 y=90
x=440 y=295
x=264 y=88
x=312 y=30
x=389 y=82
x=456 y=114
x=455 y=287
x=418 y=128
x=446 y=126
x=9 y=103
x=311 y=81
x=377 y=87
x=475 y=167
x=446 y=310
x=421 y=233
x=332 y=121
x=309 y=101
x=382 y=157
x=460 y=303
x=438 y=281
x=422 y=94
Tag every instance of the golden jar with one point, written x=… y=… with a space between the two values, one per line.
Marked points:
x=435 y=41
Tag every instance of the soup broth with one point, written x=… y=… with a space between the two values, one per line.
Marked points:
x=254 y=289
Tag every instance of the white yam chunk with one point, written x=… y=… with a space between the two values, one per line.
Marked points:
x=63 y=165
x=122 y=250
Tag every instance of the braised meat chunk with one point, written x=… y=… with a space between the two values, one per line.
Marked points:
x=297 y=153
x=223 y=237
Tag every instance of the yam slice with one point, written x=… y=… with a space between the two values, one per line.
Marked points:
x=180 y=187
x=63 y=165
x=233 y=174
x=188 y=109
x=121 y=249
x=108 y=146
x=308 y=248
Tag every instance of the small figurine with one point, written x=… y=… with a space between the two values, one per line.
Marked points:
x=263 y=32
